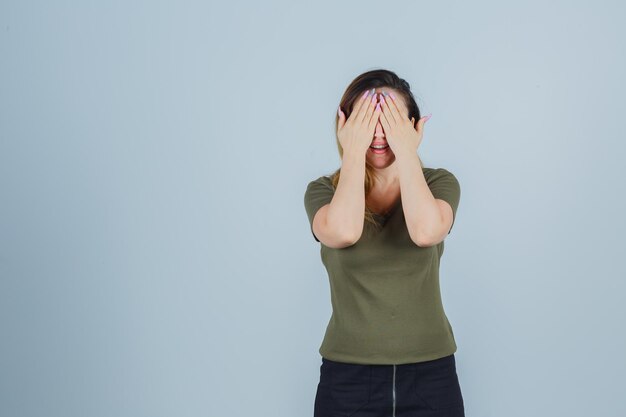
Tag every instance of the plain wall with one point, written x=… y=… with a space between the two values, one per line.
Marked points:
x=155 y=256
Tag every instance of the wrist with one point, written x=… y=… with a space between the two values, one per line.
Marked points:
x=351 y=155
x=407 y=156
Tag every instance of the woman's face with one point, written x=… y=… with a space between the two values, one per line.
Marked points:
x=384 y=157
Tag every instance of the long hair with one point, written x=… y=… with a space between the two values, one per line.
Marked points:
x=372 y=79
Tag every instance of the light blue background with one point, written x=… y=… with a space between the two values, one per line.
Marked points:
x=155 y=257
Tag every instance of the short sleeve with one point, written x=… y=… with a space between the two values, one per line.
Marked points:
x=318 y=193
x=444 y=185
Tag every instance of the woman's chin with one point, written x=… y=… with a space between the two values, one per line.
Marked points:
x=380 y=161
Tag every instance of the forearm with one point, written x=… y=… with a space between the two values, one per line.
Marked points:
x=421 y=211
x=346 y=210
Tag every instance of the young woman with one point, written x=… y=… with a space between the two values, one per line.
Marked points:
x=381 y=220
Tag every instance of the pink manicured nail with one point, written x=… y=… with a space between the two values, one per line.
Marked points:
x=392 y=96
x=365 y=94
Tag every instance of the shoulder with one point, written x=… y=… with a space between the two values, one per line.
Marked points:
x=323 y=182
x=319 y=192
x=433 y=175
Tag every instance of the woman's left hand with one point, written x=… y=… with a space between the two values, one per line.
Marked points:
x=403 y=136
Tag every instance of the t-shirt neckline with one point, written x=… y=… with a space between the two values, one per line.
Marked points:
x=391 y=210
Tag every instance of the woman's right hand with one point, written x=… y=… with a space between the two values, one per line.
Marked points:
x=356 y=133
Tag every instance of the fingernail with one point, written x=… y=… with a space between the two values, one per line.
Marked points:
x=427 y=117
x=377 y=106
x=339 y=111
x=392 y=96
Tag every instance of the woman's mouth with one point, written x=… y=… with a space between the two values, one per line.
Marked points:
x=379 y=149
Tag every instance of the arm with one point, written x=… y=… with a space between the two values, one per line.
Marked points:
x=428 y=219
x=340 y=223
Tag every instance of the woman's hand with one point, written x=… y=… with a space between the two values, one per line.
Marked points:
x=356 y=133
x=401 y=133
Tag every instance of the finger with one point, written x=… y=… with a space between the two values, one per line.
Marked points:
x=399 y=110
x=374 y=117
x=342 y=118
x=422 y=121
x=367 y=108
x=358 y=110
x=387 y=110
x=402 y=110
x=396 y=108
x=385 y=122
x=370 y=109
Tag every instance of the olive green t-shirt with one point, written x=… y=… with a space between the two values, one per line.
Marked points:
x=385 y=295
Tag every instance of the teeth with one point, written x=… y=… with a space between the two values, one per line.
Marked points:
x=379 y=146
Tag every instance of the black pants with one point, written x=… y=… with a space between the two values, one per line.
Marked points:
x=422 y=389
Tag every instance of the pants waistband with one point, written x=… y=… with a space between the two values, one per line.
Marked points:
x=387 y=371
